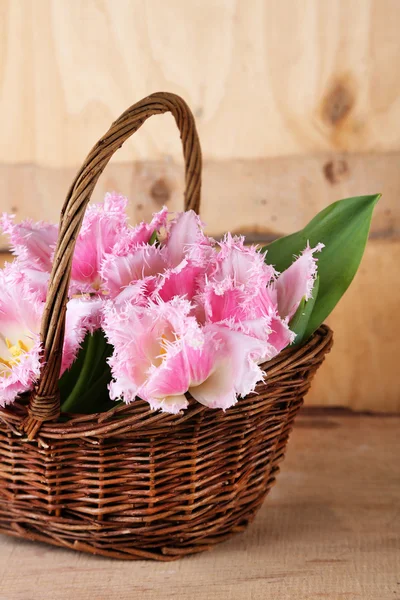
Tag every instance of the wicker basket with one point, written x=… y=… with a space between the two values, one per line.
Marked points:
x=133 y=483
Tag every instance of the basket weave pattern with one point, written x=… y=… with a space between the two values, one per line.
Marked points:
x=133 y=483
x=139 y=484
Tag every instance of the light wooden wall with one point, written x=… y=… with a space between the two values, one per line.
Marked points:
x=297 y=104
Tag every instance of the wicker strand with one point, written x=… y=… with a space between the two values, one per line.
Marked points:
x=44 y=404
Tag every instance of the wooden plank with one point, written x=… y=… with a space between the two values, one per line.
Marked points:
x=264 y=78
x=4 y=258
x=264 y=198
x=330 y=529
x=361 y=372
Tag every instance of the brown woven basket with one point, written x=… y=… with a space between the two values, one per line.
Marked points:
x=133 y=483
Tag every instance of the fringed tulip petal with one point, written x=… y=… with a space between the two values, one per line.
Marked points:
x=185 y=233
x=235 y=369
x=141 y=234
x=118 y=271
x=296 y=282
x=20 y=348
x=33 y=243
x=102 y=227
x=83 y=316
x=149 y=363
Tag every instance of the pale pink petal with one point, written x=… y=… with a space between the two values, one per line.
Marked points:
x=223 y=302
x=104 y=224
x=167 y=383
x=137 y=292
x=148 y=343
x=83 y=317
x=38 y=281
x=20 y=349
x=270 y=329
x=118 y=271
x=183 y=280
x=217 y=391
x=141 y=234
x=280 y=336
x=204 y=357
x=296 y=282
x=236 y=283
x=236 y=371
x=264 y=302
x=32 y=242
x=169 y=404
x=244 y=265
x=185 y=233
x=244 y=353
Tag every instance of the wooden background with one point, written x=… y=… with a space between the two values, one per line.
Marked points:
x=297 y=104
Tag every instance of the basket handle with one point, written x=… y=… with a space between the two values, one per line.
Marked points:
x=44 y=404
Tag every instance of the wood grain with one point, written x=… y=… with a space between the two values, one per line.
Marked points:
x=264 y=78
x=262 y=198
x=330 y=529
x=362 y=370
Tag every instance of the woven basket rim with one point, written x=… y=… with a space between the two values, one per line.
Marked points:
x=138 y=416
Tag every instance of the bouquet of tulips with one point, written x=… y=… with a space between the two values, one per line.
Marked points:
x=160 y=311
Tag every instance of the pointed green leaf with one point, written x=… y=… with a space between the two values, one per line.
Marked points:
x=89 y=367
x=69 y=377
x=343 y=227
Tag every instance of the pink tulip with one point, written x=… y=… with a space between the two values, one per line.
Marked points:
x=237 y=280
x=21 y=312
x=20 y=348
x=33 y=244
x=110 y=254
x=104 y=231
x=38 y=281
x=148 y=359
x=170 y=354
x=236 y=295
x=295 y=283
x=174 y=269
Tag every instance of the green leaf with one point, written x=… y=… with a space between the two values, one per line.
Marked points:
x=69 y=378
x=89 y=367
x=343 y=227
x=301 y=318
x=96 y=398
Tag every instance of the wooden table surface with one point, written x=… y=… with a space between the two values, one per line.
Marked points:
x=330 y=529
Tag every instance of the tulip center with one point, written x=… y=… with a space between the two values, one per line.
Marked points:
x=14 y=353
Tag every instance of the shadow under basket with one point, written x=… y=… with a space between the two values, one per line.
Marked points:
x=136 y=484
